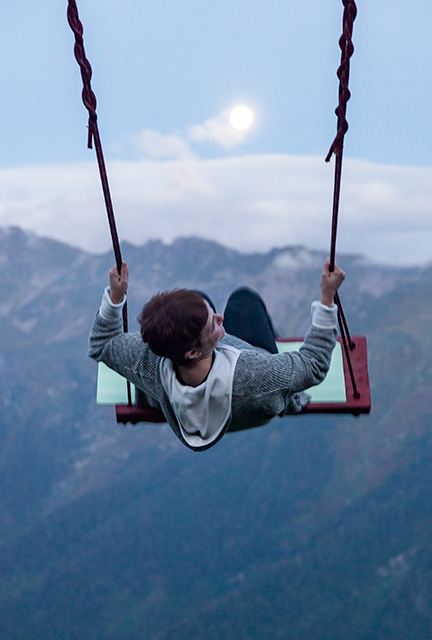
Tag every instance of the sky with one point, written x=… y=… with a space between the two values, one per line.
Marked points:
x=166 y=75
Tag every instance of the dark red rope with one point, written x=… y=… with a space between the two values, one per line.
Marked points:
x=89 y=100
x=343 y=322
x=343 y=327
x=347 y=49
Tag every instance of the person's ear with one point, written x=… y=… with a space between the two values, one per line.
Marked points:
x=193 y=354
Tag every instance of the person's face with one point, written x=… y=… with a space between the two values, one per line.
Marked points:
x=213 y=331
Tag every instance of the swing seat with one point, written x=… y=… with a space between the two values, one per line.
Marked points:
x=334 y=395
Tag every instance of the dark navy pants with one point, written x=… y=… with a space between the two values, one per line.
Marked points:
x=246 y=317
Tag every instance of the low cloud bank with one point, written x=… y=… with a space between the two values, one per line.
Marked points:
x=250 y=203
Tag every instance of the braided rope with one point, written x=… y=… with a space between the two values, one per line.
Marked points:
x=89 y=100
x=347 y=50
x=90 y=103
x=88 y=97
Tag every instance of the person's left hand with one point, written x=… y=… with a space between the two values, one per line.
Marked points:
x=118 y=283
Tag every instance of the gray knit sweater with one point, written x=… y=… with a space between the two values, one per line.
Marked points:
x=264 y=385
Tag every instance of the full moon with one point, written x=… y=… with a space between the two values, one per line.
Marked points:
x=241 y=118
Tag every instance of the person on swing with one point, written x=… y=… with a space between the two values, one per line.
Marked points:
x=211 y=373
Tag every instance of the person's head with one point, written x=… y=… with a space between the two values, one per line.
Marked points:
x=180 y=325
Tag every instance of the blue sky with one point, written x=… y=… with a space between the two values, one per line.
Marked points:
x=166 y=73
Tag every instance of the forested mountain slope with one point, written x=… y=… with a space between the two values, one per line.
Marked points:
x=309 y=528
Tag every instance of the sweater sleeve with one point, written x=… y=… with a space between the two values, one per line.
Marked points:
x=107 y=324
x=267 y=384
x=311 y=363
x=125 y=353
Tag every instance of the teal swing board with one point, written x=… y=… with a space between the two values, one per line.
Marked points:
x=112 y=387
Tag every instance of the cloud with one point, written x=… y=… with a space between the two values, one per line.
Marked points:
x=157 y=146
x=218 y=130
x=250 y=203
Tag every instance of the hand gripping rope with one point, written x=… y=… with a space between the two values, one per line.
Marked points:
x=347 y=49
x=89 y=100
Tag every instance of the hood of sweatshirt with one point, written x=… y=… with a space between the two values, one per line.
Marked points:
x=203 y=411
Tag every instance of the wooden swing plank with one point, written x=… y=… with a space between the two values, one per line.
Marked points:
x=334 y=395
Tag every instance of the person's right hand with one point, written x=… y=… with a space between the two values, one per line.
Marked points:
x=330 y=282
x=118 y=283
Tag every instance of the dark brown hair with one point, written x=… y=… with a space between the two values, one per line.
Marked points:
x=172 y=323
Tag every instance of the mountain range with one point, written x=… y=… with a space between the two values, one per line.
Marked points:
x=310 y=528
